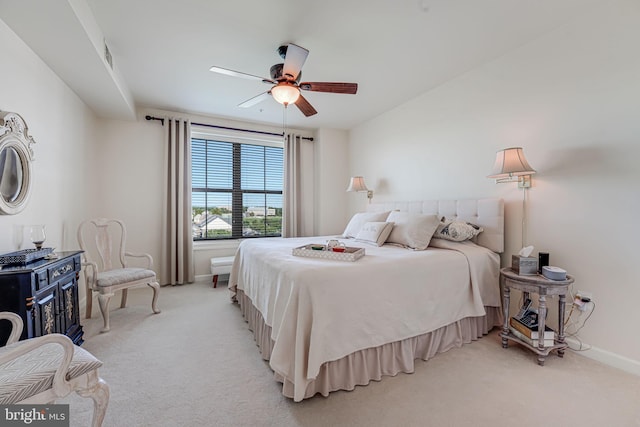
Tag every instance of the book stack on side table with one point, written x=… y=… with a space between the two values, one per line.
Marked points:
x=531 y=336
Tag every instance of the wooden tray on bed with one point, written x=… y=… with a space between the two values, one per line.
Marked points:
x=349 y=254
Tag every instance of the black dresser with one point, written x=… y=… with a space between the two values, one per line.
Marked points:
x=45 y=294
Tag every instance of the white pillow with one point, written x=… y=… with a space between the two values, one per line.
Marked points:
x=456 y=231
x=412 y=230
x=375 y=233
x=360 y=219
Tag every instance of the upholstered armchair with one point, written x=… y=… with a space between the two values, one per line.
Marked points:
x=43 y=369
x=106 y=269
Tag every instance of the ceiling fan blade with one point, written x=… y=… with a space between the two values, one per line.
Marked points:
x=304 y=106
x=232 y=73
x=255 y=100
x=294 y=60
x=350 y=88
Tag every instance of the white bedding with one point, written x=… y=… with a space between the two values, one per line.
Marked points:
x=322 y=310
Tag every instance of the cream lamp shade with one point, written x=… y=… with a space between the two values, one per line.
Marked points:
x=357 y=184
x=511 y=162
x=285 y=93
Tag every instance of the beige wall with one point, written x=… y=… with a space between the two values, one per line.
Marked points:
x=331 y=178
x=62 y=126
x=126 y=173
x=126 y=160
x=571 y=99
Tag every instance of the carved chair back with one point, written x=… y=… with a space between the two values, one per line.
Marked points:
x=103 y=241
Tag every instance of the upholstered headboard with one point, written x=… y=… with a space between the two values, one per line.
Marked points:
x=487 y=213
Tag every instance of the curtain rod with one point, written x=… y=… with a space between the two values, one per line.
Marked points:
x=308 y=138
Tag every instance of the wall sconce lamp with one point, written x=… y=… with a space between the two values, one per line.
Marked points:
x=511 y=166
x=357 y=184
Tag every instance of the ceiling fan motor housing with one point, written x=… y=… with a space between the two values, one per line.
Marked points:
x=282 y=50
x=276 y=72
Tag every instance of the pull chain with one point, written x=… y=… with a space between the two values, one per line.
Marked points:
x=284 y=123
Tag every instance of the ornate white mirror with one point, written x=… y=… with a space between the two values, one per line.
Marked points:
x=16 y=156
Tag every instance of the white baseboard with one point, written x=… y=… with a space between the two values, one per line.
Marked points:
x=607 y=357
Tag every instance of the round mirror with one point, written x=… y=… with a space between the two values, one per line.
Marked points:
x=16 y=156
x=10 y=174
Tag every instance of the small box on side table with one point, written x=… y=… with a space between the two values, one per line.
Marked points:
x=524 y=265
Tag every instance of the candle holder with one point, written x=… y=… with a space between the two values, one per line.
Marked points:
x=38 y=235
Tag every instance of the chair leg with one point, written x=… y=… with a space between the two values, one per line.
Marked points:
x=89 y=306
x=103 y=300
x=156 y=289
x=123 y=301
x=215 y=280
x=98 y=391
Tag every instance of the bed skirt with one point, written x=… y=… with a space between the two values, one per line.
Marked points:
x=361 y=367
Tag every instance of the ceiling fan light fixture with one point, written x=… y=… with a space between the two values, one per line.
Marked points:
x=285 y=81
x=285 y=93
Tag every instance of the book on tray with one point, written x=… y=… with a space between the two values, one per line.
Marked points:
x=547 y=342
x=531 y=333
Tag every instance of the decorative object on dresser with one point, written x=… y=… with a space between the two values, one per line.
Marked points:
x=106 y=269
x=544 y=287
x=16 y=155
x=43 y=369
x=43 y=292
x=37 y=235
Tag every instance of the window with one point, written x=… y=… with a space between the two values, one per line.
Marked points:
x=236 y=189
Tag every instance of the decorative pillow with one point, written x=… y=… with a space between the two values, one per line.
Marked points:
x=412 y=230
x=456 y=231
x=375 y=233
x=360 y=219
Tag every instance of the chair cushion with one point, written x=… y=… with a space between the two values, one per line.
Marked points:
x=124 y=275
x=32 y=373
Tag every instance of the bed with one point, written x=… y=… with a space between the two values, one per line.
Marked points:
x=327 y=325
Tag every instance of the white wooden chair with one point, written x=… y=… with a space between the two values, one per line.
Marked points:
x=43 y=369
x=106 y=270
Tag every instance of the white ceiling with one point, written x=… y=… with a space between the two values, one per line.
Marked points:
x=162 y=50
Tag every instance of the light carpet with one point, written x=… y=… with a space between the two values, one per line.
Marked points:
x=196 y=363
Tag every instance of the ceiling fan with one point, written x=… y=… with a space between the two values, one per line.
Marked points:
x=285 y=78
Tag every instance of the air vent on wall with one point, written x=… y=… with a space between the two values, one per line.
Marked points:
x=107 y=55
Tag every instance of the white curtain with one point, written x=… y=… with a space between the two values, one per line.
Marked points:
x=177 y=241
x=298 y=197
